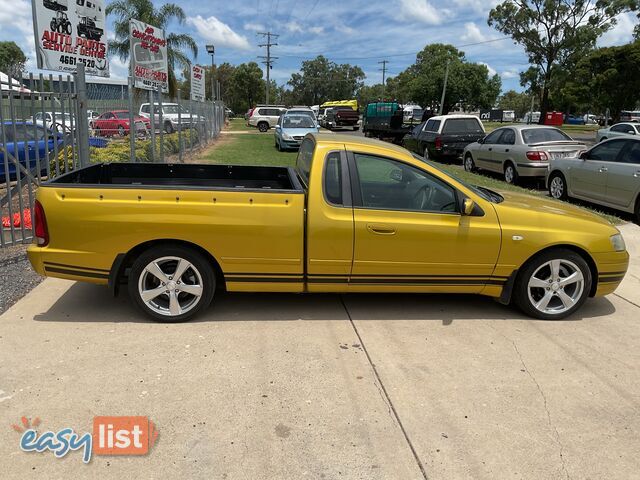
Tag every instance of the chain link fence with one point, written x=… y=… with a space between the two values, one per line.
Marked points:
x=53 y=124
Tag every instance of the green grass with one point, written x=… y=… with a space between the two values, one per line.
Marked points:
x=250 y=149
x=586 y=129
x=259 y=149
x=240 y=125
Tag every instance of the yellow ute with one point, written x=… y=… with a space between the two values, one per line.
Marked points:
x=355 y=215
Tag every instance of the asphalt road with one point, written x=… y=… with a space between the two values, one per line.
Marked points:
x=270 y=386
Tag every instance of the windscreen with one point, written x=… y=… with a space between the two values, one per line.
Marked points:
x=462 y=125
x=298 y=121
x=541 y=135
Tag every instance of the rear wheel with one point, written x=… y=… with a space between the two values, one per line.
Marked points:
x=558 y=186
x=356 y=128
x=469 y=164
x=168 y=128
x=425 y=154
x=510 y=174
x=553 y=285
x=171 y=283
x=121 y=131
x=263 y=126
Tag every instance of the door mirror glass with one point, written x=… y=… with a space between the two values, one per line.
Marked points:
x=467 y=206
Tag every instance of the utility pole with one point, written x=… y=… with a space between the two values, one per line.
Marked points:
x=268 y=59
x=384 y=74
x=444 y=88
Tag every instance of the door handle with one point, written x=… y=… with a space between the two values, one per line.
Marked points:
x=380 y=229
x=490 y=148
x=603 y=169
x=506 y=149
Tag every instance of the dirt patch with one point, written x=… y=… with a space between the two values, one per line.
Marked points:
x=223 y=139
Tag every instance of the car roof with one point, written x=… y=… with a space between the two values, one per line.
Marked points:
x=527 y=126
x=325 y=137
x=445 y=117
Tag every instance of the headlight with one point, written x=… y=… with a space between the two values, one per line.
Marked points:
x=617 y=242
x=286 y=136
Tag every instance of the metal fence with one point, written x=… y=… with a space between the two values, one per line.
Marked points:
x=50 y=125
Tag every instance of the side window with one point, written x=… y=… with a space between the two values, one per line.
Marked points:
x=436 y=126
x=145 y=109
x=508 y=137
x=632 y=153
x=262 y=112
x=607 y=152
x=620 y=128
x=333 y=179
x=493 y=137
x=428 y=127
x=387 y=184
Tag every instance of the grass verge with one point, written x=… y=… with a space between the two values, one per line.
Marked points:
x=240 y=125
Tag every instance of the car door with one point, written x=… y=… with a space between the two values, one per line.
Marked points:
x=410 y=141
x=503 y=149
x=427 y=135
x=409 y=235
x=588 y=179
x=621 y=130
x=484 y=155
x=623 y=176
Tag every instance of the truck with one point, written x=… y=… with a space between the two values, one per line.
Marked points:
x=353 y=215
x=340 y=117
x=384 y=120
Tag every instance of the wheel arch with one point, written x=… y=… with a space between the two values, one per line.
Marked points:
x=124 y=261
x=576 y=249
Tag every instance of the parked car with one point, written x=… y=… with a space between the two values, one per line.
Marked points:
x=174 y=116
x=303 y=111
x=383 y=221
x=29 y=144
x=607 y=174
x=91 y=116
x=265 y=117
x=520 y=151
x=116 y=122
x=56 y=121
x=618 y=130
x=292 y=128
x=444 y=137
x=340 y=117
x=412 y=113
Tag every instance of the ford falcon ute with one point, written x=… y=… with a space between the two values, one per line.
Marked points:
x=354 y=215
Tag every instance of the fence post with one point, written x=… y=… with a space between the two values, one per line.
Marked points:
x=83 y=127
x=179 y=126
x=153 y=126
x=133 y=130
x=161 y=122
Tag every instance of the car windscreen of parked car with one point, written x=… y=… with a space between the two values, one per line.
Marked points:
x=542 y=135
x=462 y=125
x=298 y=121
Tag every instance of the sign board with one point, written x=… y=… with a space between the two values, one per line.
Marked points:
x=197 y=83
x=69 y=32
x=493 y=115
x=149 y=56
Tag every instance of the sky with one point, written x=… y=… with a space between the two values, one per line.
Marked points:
x=359 y=32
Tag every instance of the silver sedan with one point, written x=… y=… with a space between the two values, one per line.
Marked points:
x=626 y=129
x=520 y=151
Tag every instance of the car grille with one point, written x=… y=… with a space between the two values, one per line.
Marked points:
x=298 y=138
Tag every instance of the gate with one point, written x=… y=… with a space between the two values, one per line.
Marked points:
x=53 y=124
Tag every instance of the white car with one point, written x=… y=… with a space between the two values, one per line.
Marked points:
x=265 y=117
x=56 y=121
x=625 y=129
x=174 y=116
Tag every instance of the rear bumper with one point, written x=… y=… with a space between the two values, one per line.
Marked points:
x=64 y=264
x=531 y=169
x=612 y=267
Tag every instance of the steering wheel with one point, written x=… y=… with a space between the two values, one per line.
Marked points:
x=423 y=197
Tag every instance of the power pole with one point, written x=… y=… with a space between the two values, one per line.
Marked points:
x=384 y=74
x=444 y=88
x=268 y=59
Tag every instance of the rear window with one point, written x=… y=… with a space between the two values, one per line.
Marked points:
x=541 y=135
x=333 y=179
x=462 y=125
x=303 y=163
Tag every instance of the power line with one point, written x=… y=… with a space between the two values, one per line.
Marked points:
x=268 y=59
x=312 y=9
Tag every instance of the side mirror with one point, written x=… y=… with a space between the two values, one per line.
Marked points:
x=467 y=206
x=481 y=141
x=396 y=175
x=583 y=156
x=631 y=132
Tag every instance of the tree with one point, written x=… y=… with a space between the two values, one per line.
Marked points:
x=554 y=33
x=247 y=86
x=369 y=93
x=178 y=45
x=469 y=84
x=321 y=80
x=12 y=59
x=221 y=73
x=520 y=103
x=607 y=78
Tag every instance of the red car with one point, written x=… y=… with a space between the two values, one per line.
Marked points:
x=116 y=122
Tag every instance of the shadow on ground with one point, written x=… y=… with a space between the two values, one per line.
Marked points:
x=90 y=303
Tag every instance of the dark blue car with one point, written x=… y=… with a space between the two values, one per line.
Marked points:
x=22 y=140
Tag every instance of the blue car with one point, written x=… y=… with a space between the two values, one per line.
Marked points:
x=291 y=129
x=21 y=141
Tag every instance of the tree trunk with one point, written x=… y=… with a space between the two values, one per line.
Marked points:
x=544 y=101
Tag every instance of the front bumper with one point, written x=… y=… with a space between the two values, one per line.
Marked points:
x=612 y=267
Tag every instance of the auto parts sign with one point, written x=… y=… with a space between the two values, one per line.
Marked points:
x=69 y=32
x=149 y=56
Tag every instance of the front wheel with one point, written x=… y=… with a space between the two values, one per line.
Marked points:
x=553 y=285
x=121 y=131
x=425 y=154
x=469 y=164
x=172 y=283
x=263 y=127
x=558 y=186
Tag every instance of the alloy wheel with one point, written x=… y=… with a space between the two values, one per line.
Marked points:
x=170 y=286
x=555 y=286
x=556 y=187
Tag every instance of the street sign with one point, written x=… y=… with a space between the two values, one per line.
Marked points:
x=69 y=32
x=197 y=83
x=148 y=56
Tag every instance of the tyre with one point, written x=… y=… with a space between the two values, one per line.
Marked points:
x=469 y=164
x=637 y=211
x=553 y=285
x=602 y=139
x=558 y=186
x=355 y=129
x=263 y=126
x=98 y=133
x=172 y=283
x=168 y=128
x=279 y=146
x=121 y=131
x=510 y=174
x=53 y=25
x=67 y=28
x=425 y=154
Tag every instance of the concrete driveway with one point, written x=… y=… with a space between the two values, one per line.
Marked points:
x=328 y=386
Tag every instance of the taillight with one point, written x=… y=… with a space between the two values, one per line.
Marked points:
x=537 y=156
x=251 y=110
x=41 y=231
x=438 y=143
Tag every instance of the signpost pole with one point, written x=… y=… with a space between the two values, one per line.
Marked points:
x=82 y=126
